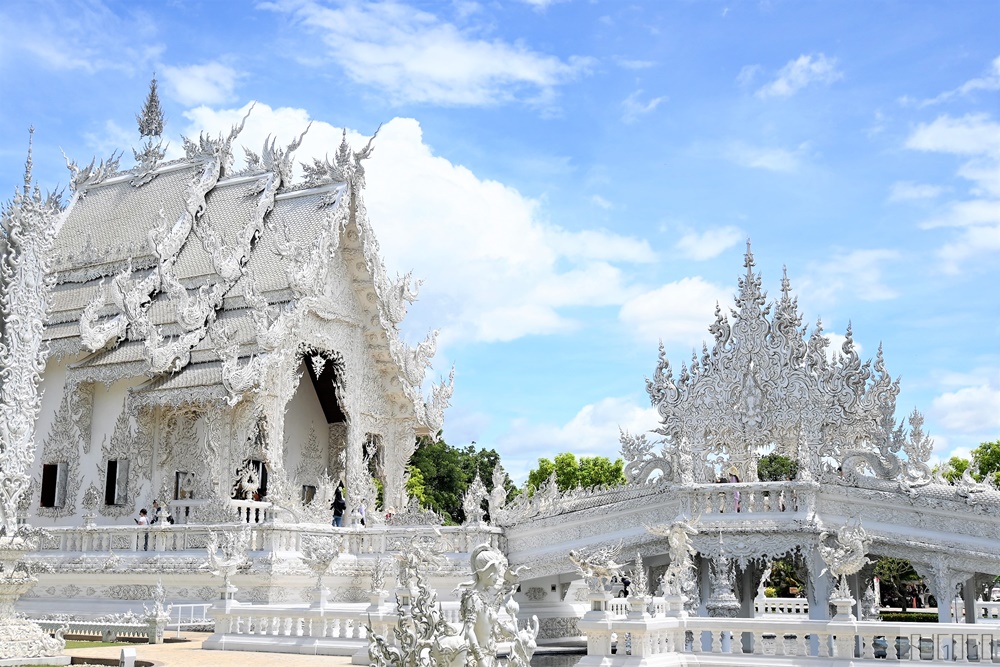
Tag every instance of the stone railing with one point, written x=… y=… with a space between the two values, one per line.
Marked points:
x=151 y=629
x=789 y=606
x=244 y=511
x=714 y=641
x=987 y=612
x=757 y=498
x=166 y=538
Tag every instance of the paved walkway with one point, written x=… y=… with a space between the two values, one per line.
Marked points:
x=189 y=654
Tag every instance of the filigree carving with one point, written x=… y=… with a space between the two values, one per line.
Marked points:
x=598 y=567
x=131 y=441
x=28 y=224
x=765 y=386
x=847 y=556
x=68 y=437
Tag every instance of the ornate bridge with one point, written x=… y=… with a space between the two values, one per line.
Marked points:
x=765 y=386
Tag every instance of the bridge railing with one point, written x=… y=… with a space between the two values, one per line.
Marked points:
x=755 y=498
x=613 y=642
x=166 y=538
x=790 y=606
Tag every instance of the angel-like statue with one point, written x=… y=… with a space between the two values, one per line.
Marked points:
x=679 y=576
x=234 y=546
x=847 y=556
x=599 y=567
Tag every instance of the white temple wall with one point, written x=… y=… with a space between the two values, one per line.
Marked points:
x=307 y=434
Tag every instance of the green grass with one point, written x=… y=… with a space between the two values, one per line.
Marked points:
x=88 y=644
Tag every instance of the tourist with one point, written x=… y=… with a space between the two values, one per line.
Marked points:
x=734 y=479
x=361 y=512
x=338 y=506
x=143 y=520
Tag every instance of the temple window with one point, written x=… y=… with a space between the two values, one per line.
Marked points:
x=116 y=482
x=308 y=493
x=53 y=485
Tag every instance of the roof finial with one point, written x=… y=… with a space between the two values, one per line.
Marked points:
x=29 y=163
x=748 y=258
x=150 y=119
x=786 y=285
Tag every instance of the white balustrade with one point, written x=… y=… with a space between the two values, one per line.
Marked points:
x=987 y=612
x=784 y=606
x=759 y=641
x=268 y=537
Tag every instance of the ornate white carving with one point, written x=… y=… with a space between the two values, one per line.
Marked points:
x=598 y=567
x=68 y=437
x=423 y=637
x=764 y=384
x=847 y=556
x=472 y=502
x=679 y=580
x=28 y=223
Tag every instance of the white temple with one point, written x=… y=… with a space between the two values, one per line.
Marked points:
x=227 y=343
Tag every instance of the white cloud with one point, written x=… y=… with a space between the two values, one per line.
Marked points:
x=989 y=82
x=856 y=274
x=678 y=312
x=975 y=136
x=600 y=201
x=770 y=159
x=708 y=244
x=488 y=258
x=208 y=83
x=633 y=107
x=907 y=191
x=972 y=134
x=413 y=56
x=798 y=74
x=747 y=75
x=593 y=431
x=629 y=63
x=89 y=38
x=969 y=410
x=837 y=345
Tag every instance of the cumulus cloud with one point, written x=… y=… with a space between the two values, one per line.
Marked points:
x=973 y=409
x=413 y=56
x=798 y=74
x=855 y=274
x=709 y=243
x=207 y=83
x=678 y=312
x=633 y=106
x=593 y=431
x=487 y=255
x=976 y=137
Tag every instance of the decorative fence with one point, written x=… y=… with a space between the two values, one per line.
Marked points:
x=783 y=606
x=166 y=538
x=151 y=630
x=773 y=641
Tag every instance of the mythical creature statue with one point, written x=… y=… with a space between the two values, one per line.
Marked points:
x=472 y=502
x=424 y=639
x=847 y=556
x=679 y=578
x=234 y=545
x=599 y=567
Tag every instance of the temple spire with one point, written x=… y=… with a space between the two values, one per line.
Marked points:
x=29 y=162
x=150 y=119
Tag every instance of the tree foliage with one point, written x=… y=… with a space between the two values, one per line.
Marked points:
x=897 y=579
x=440 y=475
x=776 y=467
x=985 y=462
x=572 y=473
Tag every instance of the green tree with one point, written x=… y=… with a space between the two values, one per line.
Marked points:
x=987 y=459
x=572 y=473
x=776 y=467
x=897 y=579
x=416 y=487
x=445 y=473
x=955 y=468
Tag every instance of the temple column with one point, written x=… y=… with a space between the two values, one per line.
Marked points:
x=818 y=587
x=969 y=590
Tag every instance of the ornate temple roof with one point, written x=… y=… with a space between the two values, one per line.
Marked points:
x=183 y=269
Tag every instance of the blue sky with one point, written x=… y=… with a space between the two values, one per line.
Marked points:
x=576 y=180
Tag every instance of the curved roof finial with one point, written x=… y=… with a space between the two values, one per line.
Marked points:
x=748 y=258
x=29 y=162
